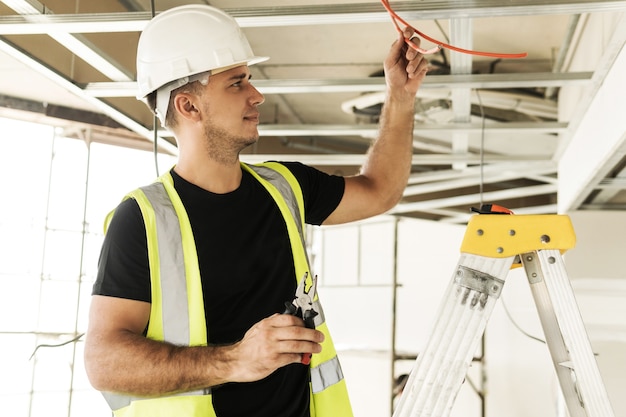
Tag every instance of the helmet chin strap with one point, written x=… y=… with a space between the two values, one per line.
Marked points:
x=162 y=103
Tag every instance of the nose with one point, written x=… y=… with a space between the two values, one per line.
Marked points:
x=256 y=98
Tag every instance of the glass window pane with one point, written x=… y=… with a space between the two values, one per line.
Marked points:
x=83 y=306
x=47 y=268
x=17 y=404
x=16 y=367
x=53 y=364
x=50 y=404
x=93 y=243
x=89 y=403
x=19 y=303
x=62 y=256
x=80 y=381
x=21 y=247
x=58 y=306
x=67 y=184
x=26 y=147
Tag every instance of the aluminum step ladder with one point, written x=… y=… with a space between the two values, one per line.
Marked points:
x=493 y=244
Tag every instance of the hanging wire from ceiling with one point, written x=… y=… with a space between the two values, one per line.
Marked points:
x=517 y=326
x=155 y=121
x=480 y=193
x=482 y=149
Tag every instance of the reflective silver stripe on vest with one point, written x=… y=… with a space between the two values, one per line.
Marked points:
x=172 y=266
x=118 y=401
x=325 y=374
x=285 y=190
x=174 y=285
x=173 y=282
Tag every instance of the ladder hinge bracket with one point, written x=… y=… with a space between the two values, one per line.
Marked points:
x=478 y=281
x=532 y=267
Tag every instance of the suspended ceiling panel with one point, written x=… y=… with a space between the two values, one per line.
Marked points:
x=512 y=132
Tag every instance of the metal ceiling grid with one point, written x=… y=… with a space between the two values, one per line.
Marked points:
x=485 y=130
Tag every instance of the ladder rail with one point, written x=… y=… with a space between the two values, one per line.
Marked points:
x=439 y=372
x=492 y=245
x=566 y=337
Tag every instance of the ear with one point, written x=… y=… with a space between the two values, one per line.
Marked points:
x=186 y=106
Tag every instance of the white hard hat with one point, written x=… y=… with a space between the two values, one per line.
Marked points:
x=186 y=41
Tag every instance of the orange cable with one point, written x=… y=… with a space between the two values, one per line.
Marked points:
x=440 y=45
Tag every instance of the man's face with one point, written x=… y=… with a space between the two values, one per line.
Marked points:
x=231 y=107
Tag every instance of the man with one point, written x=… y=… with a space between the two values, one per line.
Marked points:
x=195 y=269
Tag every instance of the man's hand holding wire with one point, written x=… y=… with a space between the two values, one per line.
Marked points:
x=405 y=67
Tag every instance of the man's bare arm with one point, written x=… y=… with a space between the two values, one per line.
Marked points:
x=382 y=179
x=119 y=358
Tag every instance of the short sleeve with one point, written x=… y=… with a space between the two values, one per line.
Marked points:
x=322 y=192
x=123 y=269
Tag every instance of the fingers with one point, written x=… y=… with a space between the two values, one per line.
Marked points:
x=405 y=65
x=408 y=34
x=397 y=46
x=292 y=337
x=417 y=66
x=272 y=343
x=416 y=63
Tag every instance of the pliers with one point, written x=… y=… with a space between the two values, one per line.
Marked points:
x=302 y=306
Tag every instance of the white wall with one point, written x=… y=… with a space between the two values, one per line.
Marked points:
x=356 y=268
x=598 y=272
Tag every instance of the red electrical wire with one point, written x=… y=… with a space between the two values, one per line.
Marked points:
x=395 y=18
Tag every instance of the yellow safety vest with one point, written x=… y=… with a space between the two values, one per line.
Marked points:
x=175 y=274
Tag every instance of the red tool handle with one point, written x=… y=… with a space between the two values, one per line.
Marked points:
x=309 y=315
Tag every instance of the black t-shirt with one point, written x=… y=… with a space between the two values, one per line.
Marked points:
x=247 y=272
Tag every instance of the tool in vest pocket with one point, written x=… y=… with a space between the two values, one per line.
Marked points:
x=302 y=306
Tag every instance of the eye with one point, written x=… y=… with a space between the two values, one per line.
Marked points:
x=240 y=81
